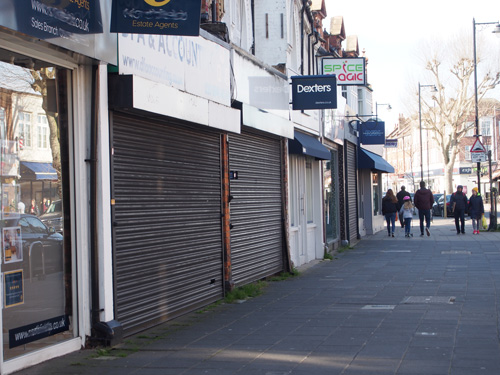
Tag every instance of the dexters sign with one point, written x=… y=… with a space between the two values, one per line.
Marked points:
x=314 y=92
x=348 y=71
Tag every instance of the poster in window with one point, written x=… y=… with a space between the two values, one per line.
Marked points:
x=14 y=288
x=12 y=245
x=9 y=163
x=11 y=201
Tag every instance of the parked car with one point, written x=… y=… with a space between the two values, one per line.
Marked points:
x=437 y=196
x=29 y=241
x=438 y=206
x=53 y=217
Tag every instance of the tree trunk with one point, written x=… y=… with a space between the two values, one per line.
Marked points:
x=448 y=177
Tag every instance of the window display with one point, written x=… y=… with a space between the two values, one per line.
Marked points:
x=36 y=257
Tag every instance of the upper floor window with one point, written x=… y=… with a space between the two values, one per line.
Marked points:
x=471 y=129
x=467 y=152
x=485 y=127
x=24 y=121
x=43 y=131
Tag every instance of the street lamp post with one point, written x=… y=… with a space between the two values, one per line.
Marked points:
x=476 y=116
x=420 y=127
x=376 y=109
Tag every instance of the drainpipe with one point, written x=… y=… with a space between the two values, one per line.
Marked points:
x=94 y=257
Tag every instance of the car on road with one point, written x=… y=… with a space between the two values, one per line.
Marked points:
x=28 y=241
x=438 y=206
x=53 y=217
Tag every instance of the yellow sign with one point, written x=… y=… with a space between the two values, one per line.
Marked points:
x=155 y=3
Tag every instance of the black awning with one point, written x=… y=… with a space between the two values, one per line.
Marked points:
x=370 y=160
x=303 y=144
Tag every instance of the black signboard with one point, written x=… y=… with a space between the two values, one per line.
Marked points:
x=162 y=17
x=39 y=330
x=372 y=133
x=46 y=19
x=314 y=92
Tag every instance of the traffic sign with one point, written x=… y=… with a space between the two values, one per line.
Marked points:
x=478 y=146
x=478 y=157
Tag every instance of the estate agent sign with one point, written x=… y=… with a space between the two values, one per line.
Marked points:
x=314 y=92
x=162 y=17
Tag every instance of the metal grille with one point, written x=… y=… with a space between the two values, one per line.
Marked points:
x=256 y=207
x=351 y=192
x=167 y=220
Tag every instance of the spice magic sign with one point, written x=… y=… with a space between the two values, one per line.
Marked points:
x=349 y=71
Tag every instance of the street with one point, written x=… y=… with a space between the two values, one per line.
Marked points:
x=421 y=305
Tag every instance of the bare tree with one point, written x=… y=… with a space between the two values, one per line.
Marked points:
x=452 y=116
x=41 y=79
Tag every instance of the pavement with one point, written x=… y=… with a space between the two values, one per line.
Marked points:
x=421 y=305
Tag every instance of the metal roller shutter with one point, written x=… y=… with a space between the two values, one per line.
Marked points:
x=352 y=193
x=167 y=220
x=256 y=207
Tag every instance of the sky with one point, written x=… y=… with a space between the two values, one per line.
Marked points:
x=392 y=33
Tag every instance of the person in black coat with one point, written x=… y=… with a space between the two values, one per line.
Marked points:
x=459 y=204
x=400 y=196
x=389 y=209
x=476 y=210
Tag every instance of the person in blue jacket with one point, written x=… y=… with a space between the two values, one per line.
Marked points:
x=459 y=204
x=476 y=210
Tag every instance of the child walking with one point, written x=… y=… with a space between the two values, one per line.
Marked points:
x=407 y=213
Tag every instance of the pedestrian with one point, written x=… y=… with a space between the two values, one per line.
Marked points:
x=400 y=196
x=21 y=207
x=389 y=210
x=459 y=204
x=34 y=208
x=476 y=210
x=424 y=201
x=407 y=213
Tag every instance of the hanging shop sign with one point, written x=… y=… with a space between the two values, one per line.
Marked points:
x=372 y=133
x=314 y=92
x=348 y=71
x=391 y=143
x=49 y=19
x=162 y=17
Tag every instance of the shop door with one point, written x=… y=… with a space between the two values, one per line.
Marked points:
x=166 y=218
x=298 y=222
x=37 y=309
x=256 y=207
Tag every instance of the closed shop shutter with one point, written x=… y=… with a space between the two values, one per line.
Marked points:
x=256 y=207
x=167 y=220
x=351 y=189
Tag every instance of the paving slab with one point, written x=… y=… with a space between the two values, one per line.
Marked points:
x=388 y=306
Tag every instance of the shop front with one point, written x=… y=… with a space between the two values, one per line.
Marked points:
x=168 y=127
x=46 y=112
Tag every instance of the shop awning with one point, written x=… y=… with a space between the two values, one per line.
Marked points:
x=370 y=160
x=303 y=144
x=37 y=171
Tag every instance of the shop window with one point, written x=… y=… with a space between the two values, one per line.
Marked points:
x=36 y=259
x=376 y=194
x=330 y=195
x=309 y=192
